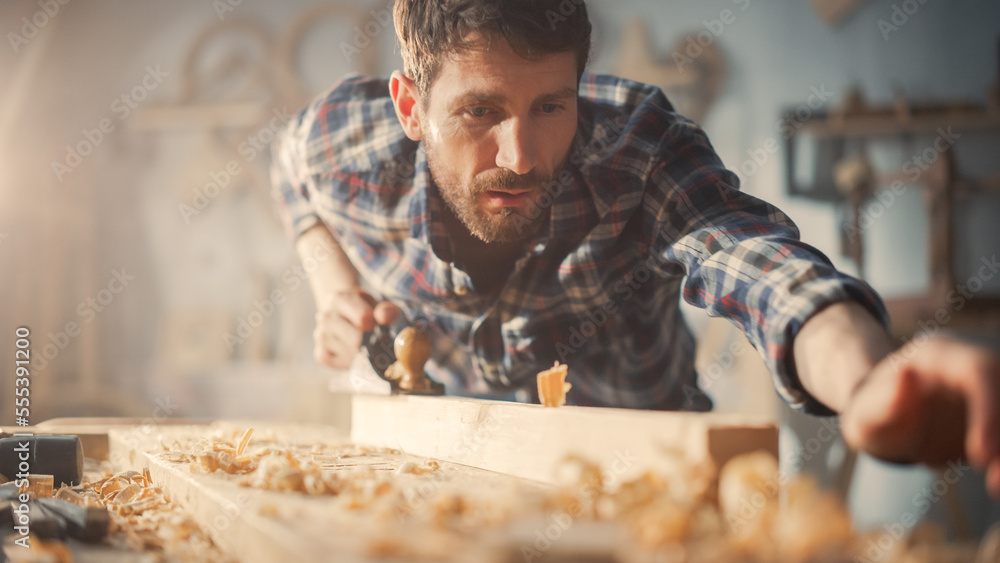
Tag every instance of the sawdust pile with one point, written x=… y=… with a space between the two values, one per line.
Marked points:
x=144 y=519
x=747 y=512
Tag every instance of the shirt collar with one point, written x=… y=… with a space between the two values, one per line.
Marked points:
x=426 y=219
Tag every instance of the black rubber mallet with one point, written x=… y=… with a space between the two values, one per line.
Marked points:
x=55 y=455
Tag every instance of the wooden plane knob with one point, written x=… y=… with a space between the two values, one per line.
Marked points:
x=413 y=349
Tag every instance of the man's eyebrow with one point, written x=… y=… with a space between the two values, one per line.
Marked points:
x=472 y=98
x=560 y=95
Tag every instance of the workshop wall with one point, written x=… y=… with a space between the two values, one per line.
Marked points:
x=109 y=161
x=141 y=282
x=779 y=55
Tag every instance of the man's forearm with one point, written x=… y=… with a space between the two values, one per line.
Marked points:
x=333 y=270
x=836 y=349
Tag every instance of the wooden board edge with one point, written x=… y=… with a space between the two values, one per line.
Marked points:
x=530 y=442
x=230 y=515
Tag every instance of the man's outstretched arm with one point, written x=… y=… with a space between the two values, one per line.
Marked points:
x=930 y=401
x=343 y=311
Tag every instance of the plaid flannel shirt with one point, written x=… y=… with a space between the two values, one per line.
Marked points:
x=643 y=212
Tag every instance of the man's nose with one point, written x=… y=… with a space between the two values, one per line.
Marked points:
x=516 y=146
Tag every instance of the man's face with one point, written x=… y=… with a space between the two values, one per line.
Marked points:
x=496 y=128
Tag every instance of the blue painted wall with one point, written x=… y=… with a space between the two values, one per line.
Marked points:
x=778 y=51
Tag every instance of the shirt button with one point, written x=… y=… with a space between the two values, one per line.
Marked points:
x=461 y=290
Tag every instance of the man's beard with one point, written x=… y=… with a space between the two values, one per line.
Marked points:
x=510 y=225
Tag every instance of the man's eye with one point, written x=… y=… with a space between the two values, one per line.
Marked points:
x=478 y=111
x=550 y=108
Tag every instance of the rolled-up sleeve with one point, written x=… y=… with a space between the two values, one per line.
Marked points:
x=290 y=178
x=743 y=257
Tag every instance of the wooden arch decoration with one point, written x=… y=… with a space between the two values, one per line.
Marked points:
x=692 y=78
x=286 y=79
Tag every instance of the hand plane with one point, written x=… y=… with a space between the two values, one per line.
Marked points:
x=400 y=360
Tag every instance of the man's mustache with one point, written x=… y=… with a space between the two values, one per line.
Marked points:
x=506 y=180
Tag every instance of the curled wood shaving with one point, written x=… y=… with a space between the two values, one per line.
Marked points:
x=143 y=519
x=215 y=454
x=128 y=494
x=552 y=385
x=685 y=512
x=244 y=441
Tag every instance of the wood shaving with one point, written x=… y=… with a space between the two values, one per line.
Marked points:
x=144 y=519
x=684 y=512
x=40 y=551
x=244 y=441
x=38 y=485
x=552 y=386
x=417 y=469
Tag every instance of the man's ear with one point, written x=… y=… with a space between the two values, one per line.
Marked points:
x=407 y=102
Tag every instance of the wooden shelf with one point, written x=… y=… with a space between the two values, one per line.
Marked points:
x=889 y=125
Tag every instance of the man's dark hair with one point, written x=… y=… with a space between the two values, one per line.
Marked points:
x=429 y=29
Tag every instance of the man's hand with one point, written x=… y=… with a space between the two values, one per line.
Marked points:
x=342 y=317
x=931 y=401
x=343 y=311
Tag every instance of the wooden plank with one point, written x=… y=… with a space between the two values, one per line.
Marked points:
x=262 y=526
x=230 y=514
x=93 y=431
x=889 y=125
x=531 y=441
